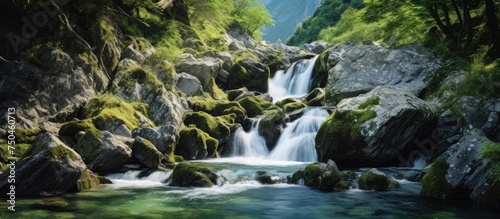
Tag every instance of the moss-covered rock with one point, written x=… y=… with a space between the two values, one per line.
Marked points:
x=129 y=78
x=281 y=103
x=271 y=126
x=71 y=129
x=254 y=105
x=360 y=130
x=374 y=180
x=290 y=107
x=315 y=98
x=434 y=183
x=233 y=94
x=322 y=176
x=187 y=174
x=87 y=180
x=208 y=124
x=217 y=107
x=320 y=71
x=250 y=74
x=196 y=144
x=146 y=153
x=101 y=151
x=48 y=166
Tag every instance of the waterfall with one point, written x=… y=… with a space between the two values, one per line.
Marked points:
x=420 y=162
x=157 y=176
x=249 y=144
x=296 y=81
x=296 y=143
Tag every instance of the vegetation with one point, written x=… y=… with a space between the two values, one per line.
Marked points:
x=434 y=183
x=328 y=14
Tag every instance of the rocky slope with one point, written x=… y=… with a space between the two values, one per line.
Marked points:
x=79 y=116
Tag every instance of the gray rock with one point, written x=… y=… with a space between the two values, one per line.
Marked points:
x=362 y=130
x=357 y=69
x=146 y=153
x=315 y=47
x=118 y=128
x=67 y=83
x=376 y=180
x=188 y=84
x=271 y=126
x=492 y=127
x=204 y=69
x=162 y=138
x=49 y=166
x=468 y=175
x=102 y=152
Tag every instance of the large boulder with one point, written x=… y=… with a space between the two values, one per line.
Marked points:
x=209 y=124
x=204 y=69
x=250 y=74
x=49 y=166
x=146 y=153
x=362 y=130
x=357 y=69
x=196 y=144
x=101 y=151
x=163 y=138
x=189 y=85
x=468 y=170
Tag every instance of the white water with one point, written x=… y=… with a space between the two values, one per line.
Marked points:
x=130 y=179
x=420 y=162
x=296 y=81
x=296 y=143
x=249 y=144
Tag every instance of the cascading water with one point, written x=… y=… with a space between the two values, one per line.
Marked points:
x=296 y=81
x=249 y=144
x=296 y=143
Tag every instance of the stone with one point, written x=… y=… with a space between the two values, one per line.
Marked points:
x=49 y=166
x=357 y=69
x=196 y=144
x=101 y=151
x=374 y=180
x=361 y=130
x=271 y=125
x=323 y=176
x=146 y=153
x=186 y=174
x=189 y=85
x=204 y=69
x=315 y=47
x=250 y=74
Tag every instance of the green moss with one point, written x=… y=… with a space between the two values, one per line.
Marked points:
x=70 y=129
x=254 y=105
x=372 y=101
x=233 y=94
x=25 y=135
x=342 y=185
x=247 y=73
x=281 y=103
x=186 y=174
x=372 y=181
x=19 y=150
x=312 y=174
x=62 y=153
x=208 y=124
x=491 y=151
x=178 y=158
x=90 y=145
x=297 y=176
x=147 y=153
x=244 y=54
x=227 y=119
x=290 y=107
x=87 y=181
x=217 y=107
x=315 y=98
x=215 y=92
x=140 y=75
x=434 y=183
x=491 y=196
x=196 y=144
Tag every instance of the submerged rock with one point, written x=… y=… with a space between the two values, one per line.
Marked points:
x=362 y=130
x=49 y=166
x=187 y=174
x=373 y=179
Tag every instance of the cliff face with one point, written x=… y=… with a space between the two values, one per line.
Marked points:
x=287 y=15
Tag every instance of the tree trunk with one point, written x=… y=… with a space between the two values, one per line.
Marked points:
x=492 y=25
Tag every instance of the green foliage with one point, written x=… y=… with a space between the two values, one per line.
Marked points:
x=491 y=151
x=434 y=183
x=328 y=14
x=252 y=15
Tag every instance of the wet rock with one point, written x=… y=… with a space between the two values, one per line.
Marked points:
x=186 y=174
x=323 y=176
x=271 y=126
x=360 y=131
x=163 y=138
x=376 y=180
x=196 y=144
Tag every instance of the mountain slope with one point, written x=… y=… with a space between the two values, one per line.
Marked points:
x=286 y=15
